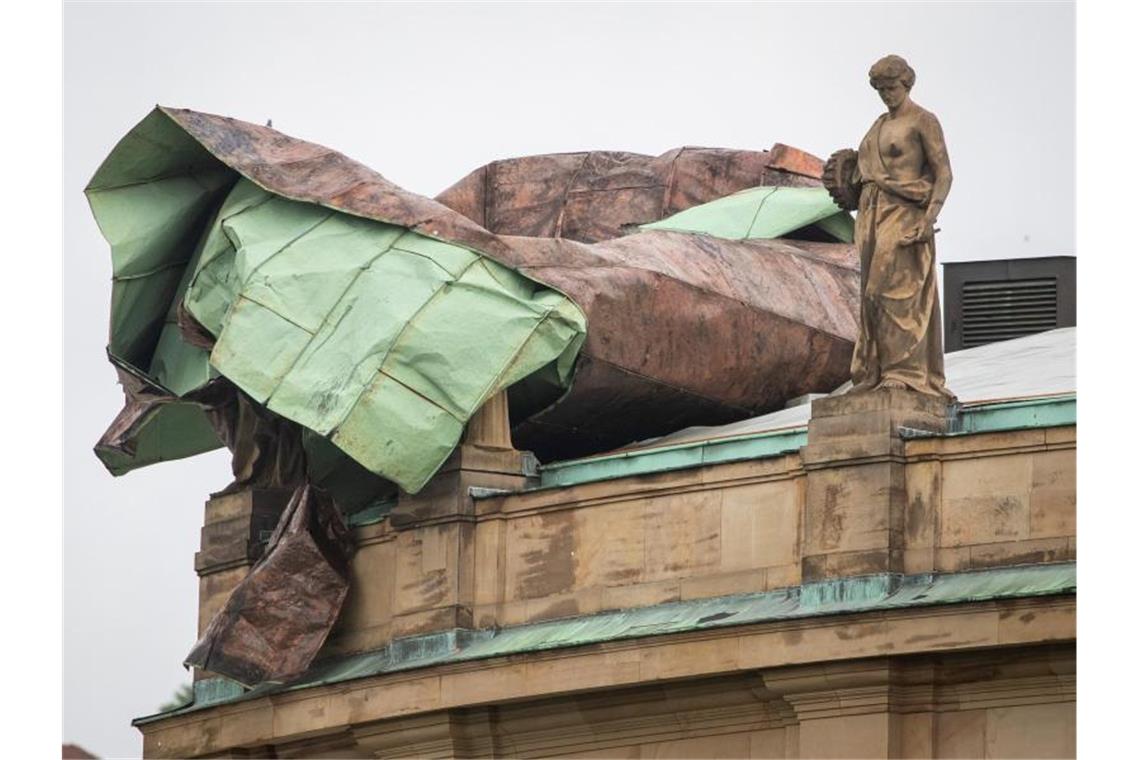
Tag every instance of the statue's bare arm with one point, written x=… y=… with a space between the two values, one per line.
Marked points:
x=934 y=144
x=938 y=160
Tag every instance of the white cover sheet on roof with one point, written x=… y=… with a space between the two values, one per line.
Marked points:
x=1037 y=365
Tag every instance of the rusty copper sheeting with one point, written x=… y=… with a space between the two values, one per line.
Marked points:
x=141 y=399
x=305 y=171
x=689 y=330
x=277 y=618
x=683 y=329
x=601 y=195
x=266 y=448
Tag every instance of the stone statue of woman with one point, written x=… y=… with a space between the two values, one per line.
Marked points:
x=898 y=181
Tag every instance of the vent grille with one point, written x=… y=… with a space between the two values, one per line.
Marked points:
x=994 y=311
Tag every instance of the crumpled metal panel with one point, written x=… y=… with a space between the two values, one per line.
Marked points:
x=382 y=340
x=277 y=618
x=377 y=337
x=153 y=426
x=684 y=329
x=599 y=195
x=796 y=161
x=304 y=171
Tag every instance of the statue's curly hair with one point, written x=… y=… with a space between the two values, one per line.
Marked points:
x=889 y=68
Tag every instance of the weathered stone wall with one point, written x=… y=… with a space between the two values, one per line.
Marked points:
x=992 y=678
x=958 y=503
x=1015 y=701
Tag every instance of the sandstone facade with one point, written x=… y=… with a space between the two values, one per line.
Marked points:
x=871 y=499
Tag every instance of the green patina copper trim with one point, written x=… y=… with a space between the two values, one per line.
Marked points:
x=834 y=597
x=213 y=691
x=1054 y=411
x=372 y=514
x=675 y=457
x=1050 y=411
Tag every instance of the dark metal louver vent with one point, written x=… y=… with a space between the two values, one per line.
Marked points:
x=993 y=311
x=1003 y=299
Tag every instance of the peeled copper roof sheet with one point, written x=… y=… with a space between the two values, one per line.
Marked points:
x=683 y=328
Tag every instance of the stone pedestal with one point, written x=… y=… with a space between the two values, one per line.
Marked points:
x=447 y=495
x=436 y=527
x=484 y=459
x=234 y=534
x=856 y=479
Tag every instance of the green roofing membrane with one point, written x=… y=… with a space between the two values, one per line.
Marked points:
x=387 y=347
x=763 y=213
x=377 y=338
x=882 y=592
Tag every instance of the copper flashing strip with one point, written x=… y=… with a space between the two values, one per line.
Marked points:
x=1049 y=411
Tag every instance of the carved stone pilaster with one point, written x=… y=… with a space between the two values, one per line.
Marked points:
x=438 y=523
x=844 y=710
x=484 y=459
x=438 y=736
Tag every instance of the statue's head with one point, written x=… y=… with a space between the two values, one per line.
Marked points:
x=892 y=77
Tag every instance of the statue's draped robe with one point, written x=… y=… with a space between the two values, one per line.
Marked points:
x=900 y=335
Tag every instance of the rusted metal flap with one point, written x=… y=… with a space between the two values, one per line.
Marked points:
x=600 y=195
x=688 y=330
x=796 y=161
x=277 y=618
x=305 y=171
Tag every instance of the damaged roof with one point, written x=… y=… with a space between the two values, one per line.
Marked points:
x=380 y=320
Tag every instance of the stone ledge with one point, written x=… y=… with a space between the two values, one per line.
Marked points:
x=258 y=720
x=810 y=601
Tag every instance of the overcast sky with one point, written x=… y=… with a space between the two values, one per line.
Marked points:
x=424 y=94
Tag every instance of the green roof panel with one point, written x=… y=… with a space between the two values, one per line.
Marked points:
x=763 y=213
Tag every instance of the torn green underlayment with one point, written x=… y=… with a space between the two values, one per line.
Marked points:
x=763 y=213
x=378 y=340
x=843 y=596
x=386 y=348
